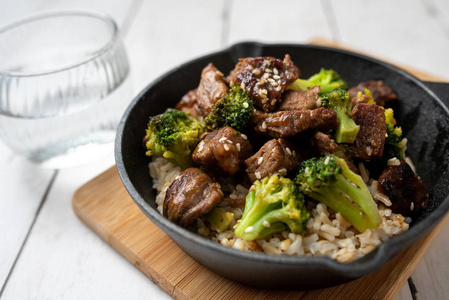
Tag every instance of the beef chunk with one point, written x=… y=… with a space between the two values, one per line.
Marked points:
x=189 y=104
x=323 y=144
x=300 y=100
x=274 y=157
x=223 y=151
x=264 y=78
x=407 y=193
x=370 y=140
x=289 y=123
x=380 y=91
x=212 y=88
x=191 y=195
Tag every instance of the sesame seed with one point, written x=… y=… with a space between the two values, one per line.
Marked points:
x=283 y=171
x=226 y=147
x=327 y=160
x=245 y=104
x=249 y=229
x=229 y=141
x=271 y=80
x=412 y=206
x=222 y=139
x=273 y=102
x=268 y=70
x=275 y=84
x=288 y=150
x=261 y=81
x=256 y=71
x=306 y=170
x=266 y=224
x=275 y=71
x=264 y=125
x=244 y=136
x=243 y=85
x=276 y=77
x=278 y=88
x=257 y=175
x=260 y=160
x=264 y=91
x=386 y=135
x=237 y=146
x=267 y=62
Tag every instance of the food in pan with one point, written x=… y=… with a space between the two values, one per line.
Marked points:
x=264 y=160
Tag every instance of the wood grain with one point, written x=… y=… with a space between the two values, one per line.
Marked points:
x=104 y=205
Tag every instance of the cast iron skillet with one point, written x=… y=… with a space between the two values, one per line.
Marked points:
x=420 y=112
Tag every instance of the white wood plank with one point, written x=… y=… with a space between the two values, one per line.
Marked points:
x=22 y=186
x=400 y=31
x=431 y=276
x=404 y=293
x=11 y=11
x=276 y=22
x=63 y=259
x=168 y=33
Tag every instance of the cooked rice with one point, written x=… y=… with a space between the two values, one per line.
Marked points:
x=329 y=233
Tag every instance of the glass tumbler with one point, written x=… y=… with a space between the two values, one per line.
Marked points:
x=64 y=85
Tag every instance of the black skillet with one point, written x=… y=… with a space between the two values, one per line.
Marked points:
x=420 y=111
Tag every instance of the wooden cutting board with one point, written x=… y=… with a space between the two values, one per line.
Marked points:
x=104 y=205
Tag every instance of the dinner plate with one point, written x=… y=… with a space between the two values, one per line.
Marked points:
x=420 y=111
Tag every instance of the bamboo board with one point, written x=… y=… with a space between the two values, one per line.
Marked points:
x=104 y=205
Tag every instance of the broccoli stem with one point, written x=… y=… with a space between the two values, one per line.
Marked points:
x=347 y=130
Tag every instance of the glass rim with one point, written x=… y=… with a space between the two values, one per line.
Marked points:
x=59 y=13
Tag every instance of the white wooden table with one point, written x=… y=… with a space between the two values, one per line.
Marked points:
x=47 y=253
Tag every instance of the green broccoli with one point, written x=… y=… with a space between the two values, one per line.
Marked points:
x=234 y=109
x=340 y=101
x=327 y=79
x=393 y=146
x=330 y=181
x=173 y=135
x=272 y=205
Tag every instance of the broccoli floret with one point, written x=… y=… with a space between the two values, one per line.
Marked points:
x=367 y=93
x=327 y=79
x=173 y=135
x=393 y=146
x=330 y=181
x=234 y=109
x=272 y=205
x=340 y=101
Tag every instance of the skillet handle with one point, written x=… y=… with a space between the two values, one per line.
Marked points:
x=441 y=89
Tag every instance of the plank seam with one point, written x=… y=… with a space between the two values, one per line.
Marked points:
x=36 y=215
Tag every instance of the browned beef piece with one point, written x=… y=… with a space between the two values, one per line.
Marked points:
x=264 y=78
x=223 y=151
x=370 y=140
x=212 y=88
x=289 y=123
x=274 y=157
x=300 y=100
x=191 y=195
x=407 y=193
x=380 y=91
x=189 y=104
x=323 y=144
